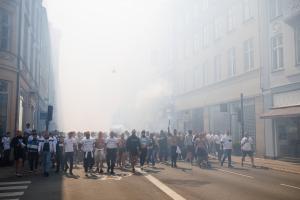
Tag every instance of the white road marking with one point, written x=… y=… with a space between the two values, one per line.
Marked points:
x=14 y=188
x=11 y=194
x=15 y=183
x=171 y=193
x=251 y=177
x=290 y=186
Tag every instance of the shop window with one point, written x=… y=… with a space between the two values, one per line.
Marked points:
x=3 y=105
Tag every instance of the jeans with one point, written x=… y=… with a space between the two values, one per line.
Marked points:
x=88 y=161
x=143 y=156
x=151 y=156
x=46 y=161
x=6 y=155
x=69 y=157
x=227 y=154
x=33 y=160
x=111 y=156
x=173 y=156
x=59 y=161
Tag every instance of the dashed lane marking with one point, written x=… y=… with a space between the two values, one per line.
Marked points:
x=290 y=186
x=7 y=189
x=15 y=183
x=11 y=194
x=171 y=193
x=246 y=176
x=14 y=188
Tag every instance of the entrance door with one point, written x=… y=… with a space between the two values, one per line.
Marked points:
x=288 y=133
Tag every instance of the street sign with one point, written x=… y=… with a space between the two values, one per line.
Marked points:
x=43 y=115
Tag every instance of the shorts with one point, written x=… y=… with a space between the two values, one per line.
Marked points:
x=249 y=153
x=133 y=153
x=19 y=155
x=100 y=155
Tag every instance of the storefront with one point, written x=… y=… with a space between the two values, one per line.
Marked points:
x=286 y=128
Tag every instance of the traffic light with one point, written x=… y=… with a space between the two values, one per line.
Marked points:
x=50 y=113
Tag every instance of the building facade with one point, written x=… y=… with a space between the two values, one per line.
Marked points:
x=25 y=64
x=225 y=49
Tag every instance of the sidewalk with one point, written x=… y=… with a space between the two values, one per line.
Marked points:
x=271 y=164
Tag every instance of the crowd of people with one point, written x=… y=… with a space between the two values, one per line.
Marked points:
x=62 y=151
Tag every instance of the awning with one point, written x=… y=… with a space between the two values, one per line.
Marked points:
x=291 y=111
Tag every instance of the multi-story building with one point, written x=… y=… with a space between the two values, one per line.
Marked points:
x=25 y=64
x=227 y=48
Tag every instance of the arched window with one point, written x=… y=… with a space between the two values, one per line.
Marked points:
x=4 y=30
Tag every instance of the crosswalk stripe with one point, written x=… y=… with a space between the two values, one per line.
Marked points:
x=15 y=183
x=11 y=194
x=14 y=188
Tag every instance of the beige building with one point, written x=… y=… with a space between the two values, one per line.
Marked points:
x=228 y=48
x=25 y=63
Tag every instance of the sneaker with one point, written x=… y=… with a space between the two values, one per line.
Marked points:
x=112 y=173
x=71 y=173
x=230 y=166
x=86 y=174
x=101 y=171
x=133 y=170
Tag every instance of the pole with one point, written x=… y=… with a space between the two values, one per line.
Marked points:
x=18 y=66
x=242 y=115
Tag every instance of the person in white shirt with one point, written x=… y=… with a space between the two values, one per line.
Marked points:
x=88 y=146
x=217 y=140
x=111 y=152
x=246 y=146
x=6 y=148
x=69 y=144
x=227 y=146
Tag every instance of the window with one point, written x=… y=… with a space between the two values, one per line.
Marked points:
x=217 y=68
x=231 y=19
x=275 y=8
x=198 y=77
x=25 y=44
x=197 y=43
x=204 y=74
x=218 y=23
x=231 y=62
x=3 y=105
x=4 y=30
x=248 y=55
x=205 y=36
x=277 y=52
x=297 y=44
x=247 y=10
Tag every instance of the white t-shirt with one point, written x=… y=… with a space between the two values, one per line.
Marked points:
x=111 y=143
x=6 y=143
x=87 y=145
x=227 y=142
x=69 y=144
x=246 y=144
x=217 y=139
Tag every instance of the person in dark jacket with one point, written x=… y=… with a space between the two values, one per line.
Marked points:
x=133 y=146
x=59 y=154
x=18 y=144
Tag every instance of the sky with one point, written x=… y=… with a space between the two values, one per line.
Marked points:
x=104 y=57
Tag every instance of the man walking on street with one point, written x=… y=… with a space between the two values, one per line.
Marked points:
x=100 y=153
x=189 y=145
x=144 y=149
x=174 y=145
x=133 y=145
x=227 y=146
x=18 y=144
x=33 y=152
x=46 y=148
x=247 y=149
x=88 y=145
x=6 y=148
x=69 y=144
x=111 y=152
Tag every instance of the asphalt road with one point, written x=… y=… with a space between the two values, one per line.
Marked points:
x=162 y=182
